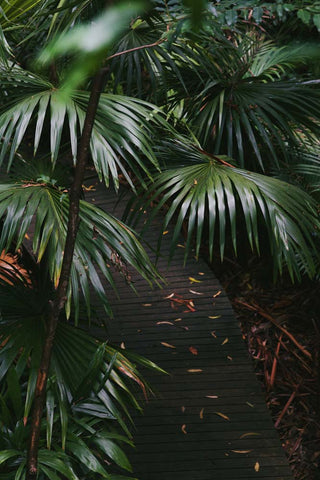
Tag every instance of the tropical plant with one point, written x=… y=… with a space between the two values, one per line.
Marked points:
x=241 y=101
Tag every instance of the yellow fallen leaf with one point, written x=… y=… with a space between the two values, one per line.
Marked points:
x=201 y=413
x=27 y=236
x=257 y=466
x=181 y=246
x=226 y=340
x=194 y=280
x=183 y=428
x=249 y=434
x=194 y=370
x=178 y=320
x=217 y=294
x=165 y=344
x=165 y=232
x=222 y=415
x=214 y=317
x=241 y=451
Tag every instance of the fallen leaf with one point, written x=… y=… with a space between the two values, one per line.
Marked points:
x=164 y=323
x=226 y=340
x=194 y=370
x=194 y=280
x=249 y=434
x=183 y=409
x=217 y=294
x=195 y=293
x=222 y=415
x=178 y=320
x=167 y=345
x=257 y=466
x=27 y=236
x=183 y=428
x=191 y=303
x=212 y=396
x=193 y=350
x=181 y=246
x=165 y=232
x=201 y=413
x=214 y=317
x=169 y=296
x=250 y=404
x=147 y=304
x=214 y=334
x=229 y=358
x=241 y=451
x=122 y=346
x=200 y=273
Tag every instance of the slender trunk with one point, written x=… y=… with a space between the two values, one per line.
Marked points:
x=57 y=304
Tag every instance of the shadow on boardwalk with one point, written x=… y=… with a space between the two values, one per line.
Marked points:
x=208 y=420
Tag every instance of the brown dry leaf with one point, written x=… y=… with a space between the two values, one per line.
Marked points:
x=164 y=323
x=241 y=451
x=222 y=415
x=214 y=317
x=212 y=396
x=200 y=273
x=226 y=340
x=27 y=237
x=181 y=246
x=178 y=320
x=165 y=232
x=257 y=466
x=165 y=344
x=217 y=294
x=122 y=346
x=194 y=280
x=229 y=358
x=214 y=334
x=183 y=428
x=196 y=293
x=194 y=370
x=147 y=304
x=201 y=413
x=193 y=350
x=249 y=434
x=183 y=409
x=169 y=296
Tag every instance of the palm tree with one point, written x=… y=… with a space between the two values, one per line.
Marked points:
x=226 y=102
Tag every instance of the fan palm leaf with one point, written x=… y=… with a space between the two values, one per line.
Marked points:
x=242 y=104
x=40 y=210
x=122 y=133
x=207 y=191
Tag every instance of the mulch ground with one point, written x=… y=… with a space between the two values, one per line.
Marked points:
x=281 y=326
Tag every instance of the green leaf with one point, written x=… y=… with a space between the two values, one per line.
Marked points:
x=304 y=15
x=113 y=451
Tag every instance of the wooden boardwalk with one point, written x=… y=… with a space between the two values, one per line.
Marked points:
x=209 y=420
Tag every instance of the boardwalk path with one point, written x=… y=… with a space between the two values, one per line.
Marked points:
x=209 y=420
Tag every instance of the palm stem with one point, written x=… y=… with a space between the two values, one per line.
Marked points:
x=56 y=305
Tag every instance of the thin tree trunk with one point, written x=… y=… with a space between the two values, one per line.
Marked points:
x=57 y=304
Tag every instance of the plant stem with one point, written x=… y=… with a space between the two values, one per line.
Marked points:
x=57 y=304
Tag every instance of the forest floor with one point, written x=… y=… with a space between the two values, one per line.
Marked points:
x=281 y=326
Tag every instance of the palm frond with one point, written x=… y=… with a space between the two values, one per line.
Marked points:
x=102 y=241
x=209 y=195
x=245 y=107
x=122 y=134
